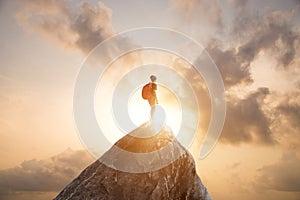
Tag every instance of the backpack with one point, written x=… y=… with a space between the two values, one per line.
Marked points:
x=147 y=91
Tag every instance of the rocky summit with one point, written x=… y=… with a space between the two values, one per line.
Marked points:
x=150 y=167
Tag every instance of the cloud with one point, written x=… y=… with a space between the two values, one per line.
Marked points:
x=285 y=116
x=82 y=27
x=272 y=31
x=246 y=121
x=198 y=17
x=233 y=67
x=92 y=25
x=283 y=175
x=289 y=108
x=44 y=175
x=194 y=9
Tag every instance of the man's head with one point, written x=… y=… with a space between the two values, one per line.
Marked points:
x=153 y=78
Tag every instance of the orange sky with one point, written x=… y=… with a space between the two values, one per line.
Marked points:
x=254 y=44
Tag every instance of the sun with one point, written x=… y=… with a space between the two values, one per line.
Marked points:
x=139 y=109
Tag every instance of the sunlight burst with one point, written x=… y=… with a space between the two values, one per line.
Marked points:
x=139 y=109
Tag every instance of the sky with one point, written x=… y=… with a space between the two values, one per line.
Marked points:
x=255 y=45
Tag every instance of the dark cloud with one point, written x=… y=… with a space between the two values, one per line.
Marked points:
x=82 y=27
x=44 y=175
x=92 y=25
x=283 y=175
x=285 y=115
x=289 y=108
x=272 y=31
x=246 y=121
x=233 y=67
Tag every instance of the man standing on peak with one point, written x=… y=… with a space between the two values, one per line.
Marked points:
x=149 y=91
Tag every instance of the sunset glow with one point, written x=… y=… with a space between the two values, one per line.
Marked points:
x=139 y=110
x=254 y=46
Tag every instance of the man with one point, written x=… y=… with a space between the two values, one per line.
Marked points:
x=149 y=91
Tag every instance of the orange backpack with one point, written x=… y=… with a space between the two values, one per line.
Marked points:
x=147 y=91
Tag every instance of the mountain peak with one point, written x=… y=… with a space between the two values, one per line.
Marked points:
x=146 y=167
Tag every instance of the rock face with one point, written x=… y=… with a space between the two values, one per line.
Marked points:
x=172 y=177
